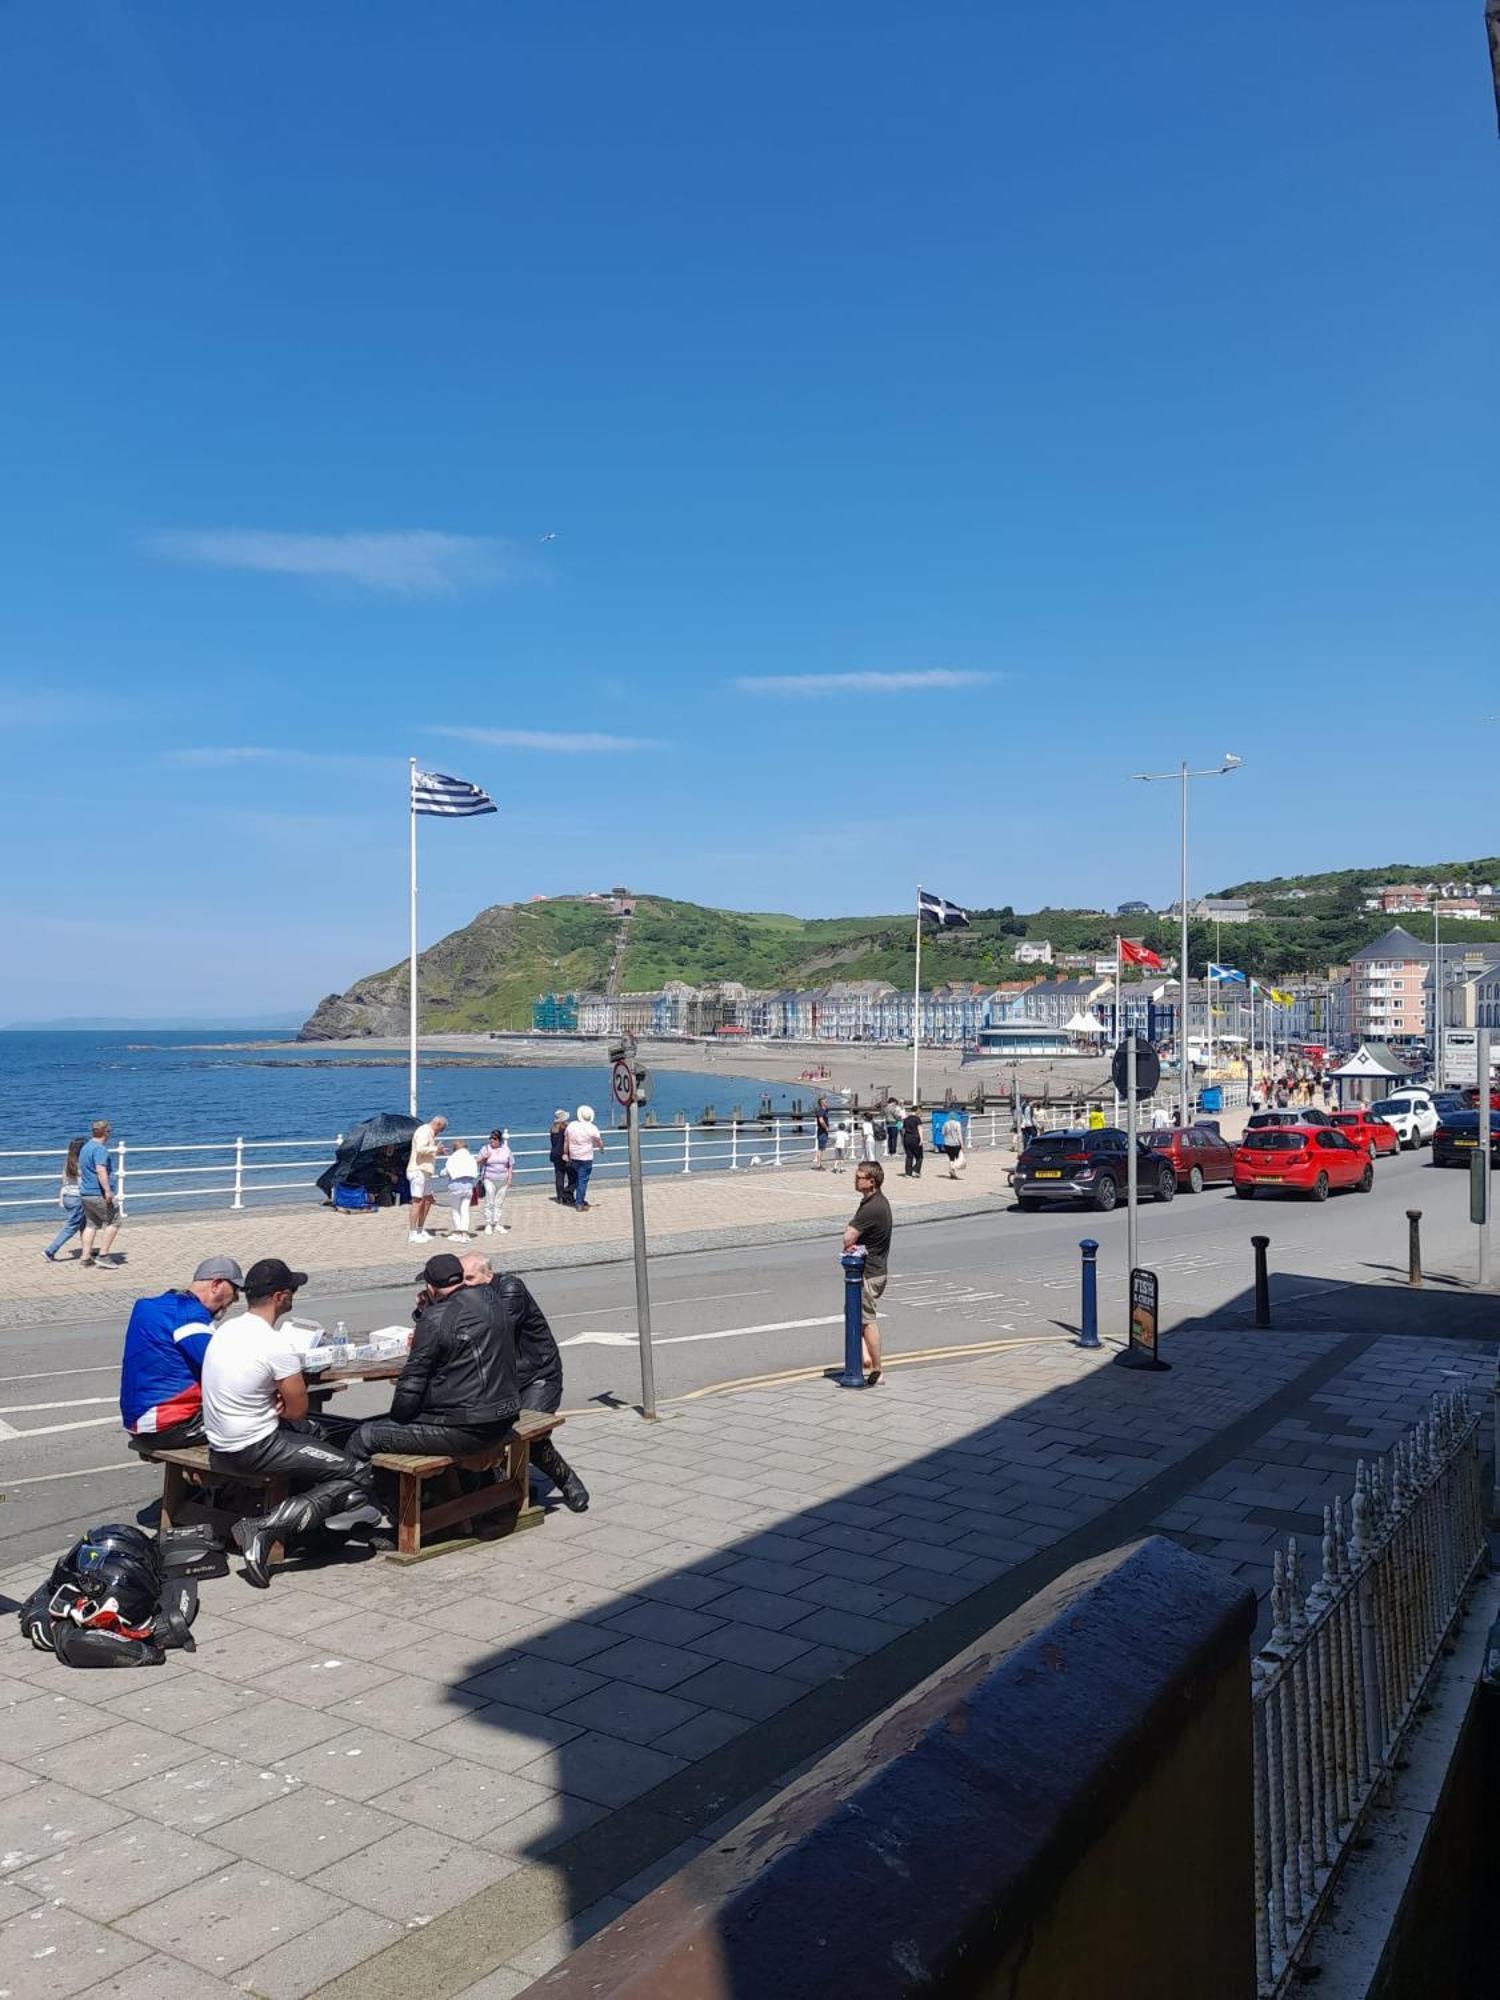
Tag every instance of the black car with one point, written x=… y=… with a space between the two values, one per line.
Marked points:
x=1091 y=1167
x=1456 y=1139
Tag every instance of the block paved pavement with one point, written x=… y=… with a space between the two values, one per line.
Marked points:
x=436 y=1781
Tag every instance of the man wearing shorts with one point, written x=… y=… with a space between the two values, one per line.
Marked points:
x=421 y=1171
x=96 y=1190
x=870 y=1227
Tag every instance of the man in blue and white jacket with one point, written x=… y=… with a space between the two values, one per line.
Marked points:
x=161 y=1398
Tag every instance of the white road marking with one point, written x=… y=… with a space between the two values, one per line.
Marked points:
x=78 y=1403
x=57 y=1374
x=7 y=1431
x=694 y=1299
x=83 y=1472
x=51 y=1430
x=609 y=1337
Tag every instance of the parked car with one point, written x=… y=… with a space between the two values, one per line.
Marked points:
x=1088 y=1166
x=1267 y=1121
x=1200 y=1158
x=1312 y=1160
x=1448 y=1100
x=1457 y=1139
x=1411 y=1114
x=1373 y=1134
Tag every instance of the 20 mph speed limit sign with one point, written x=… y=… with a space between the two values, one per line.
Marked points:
x=622 y=1083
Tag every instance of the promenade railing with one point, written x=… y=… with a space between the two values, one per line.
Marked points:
x=1340 y=1679
x=241 y=1173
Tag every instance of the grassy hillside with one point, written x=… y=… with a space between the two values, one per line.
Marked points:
x=487 y=974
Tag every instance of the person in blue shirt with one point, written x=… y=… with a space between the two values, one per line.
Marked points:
x=161 y=1398
x=96 y=1190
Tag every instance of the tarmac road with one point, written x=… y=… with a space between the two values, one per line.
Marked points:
x=722 y=1316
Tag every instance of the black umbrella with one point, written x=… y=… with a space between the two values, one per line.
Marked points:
x=372 y=1156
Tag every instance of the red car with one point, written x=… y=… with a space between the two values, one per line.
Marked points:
x=1200 y=1158
x=1373 y=1135
x=1308 y=1159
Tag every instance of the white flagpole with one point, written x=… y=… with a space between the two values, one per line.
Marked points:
x=916 y=1013
x=411 y=1055
x=1118 y=1036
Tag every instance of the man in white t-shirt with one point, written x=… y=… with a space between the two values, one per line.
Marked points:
x=583 y=1142
x=421 y=1170
x=255 y=1418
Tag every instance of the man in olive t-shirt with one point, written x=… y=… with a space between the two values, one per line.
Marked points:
x=870 y=1226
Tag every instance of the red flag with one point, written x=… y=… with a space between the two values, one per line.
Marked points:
x=1138 y=954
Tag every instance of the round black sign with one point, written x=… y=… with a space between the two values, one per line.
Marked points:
x=1147 y=1069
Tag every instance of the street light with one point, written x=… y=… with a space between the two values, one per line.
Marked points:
x=1181 y=777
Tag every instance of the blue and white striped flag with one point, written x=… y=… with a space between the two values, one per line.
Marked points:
x=1225 y=975
x=448 y=798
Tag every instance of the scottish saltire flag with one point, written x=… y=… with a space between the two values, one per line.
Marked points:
x=947 y=916
x=1225 y=975
x=448 y=798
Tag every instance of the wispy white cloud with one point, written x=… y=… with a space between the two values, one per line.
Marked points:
x=926 y=680
x=230 y=756
x=409 y=562
x=551 y=739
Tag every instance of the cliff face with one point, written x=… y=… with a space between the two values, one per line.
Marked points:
x=483 y=976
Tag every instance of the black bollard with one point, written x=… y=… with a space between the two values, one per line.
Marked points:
x=1262 y=1282
x=1414 y=1248
x=853 y=1376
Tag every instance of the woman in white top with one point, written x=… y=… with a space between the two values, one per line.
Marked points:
x=463 y=1171
x=583 y=1142
x=497 y=1163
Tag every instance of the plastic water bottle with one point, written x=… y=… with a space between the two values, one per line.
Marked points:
x=340 y=1334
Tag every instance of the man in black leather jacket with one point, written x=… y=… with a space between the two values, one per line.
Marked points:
x=538 y=1366
x=458 y=1391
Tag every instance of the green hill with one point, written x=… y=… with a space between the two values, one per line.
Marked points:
x=488 y=974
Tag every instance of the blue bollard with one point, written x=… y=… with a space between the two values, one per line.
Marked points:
x=853 y=1376
x=1089 y=1336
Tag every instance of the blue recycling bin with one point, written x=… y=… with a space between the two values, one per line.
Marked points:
x=940 y=1119
x=1211 y=1097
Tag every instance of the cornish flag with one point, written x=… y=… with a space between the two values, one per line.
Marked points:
x=448 y=798
x=947 y=916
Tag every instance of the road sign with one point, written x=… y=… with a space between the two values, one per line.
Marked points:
x=622 y=1083
x=1147 y=1070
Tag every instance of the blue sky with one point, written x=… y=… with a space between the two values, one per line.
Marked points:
x=940 y=413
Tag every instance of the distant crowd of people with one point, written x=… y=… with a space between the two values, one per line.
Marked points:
x=478 y=1183
x=896 y=1126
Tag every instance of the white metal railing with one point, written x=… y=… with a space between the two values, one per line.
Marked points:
x=1337 y=1683
x=237 y=1173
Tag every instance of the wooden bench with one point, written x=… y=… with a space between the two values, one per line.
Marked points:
x=507 y=1499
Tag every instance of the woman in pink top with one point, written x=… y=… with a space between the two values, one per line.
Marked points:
x=497 y=1165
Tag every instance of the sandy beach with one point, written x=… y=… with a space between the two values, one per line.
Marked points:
x=833 y=1066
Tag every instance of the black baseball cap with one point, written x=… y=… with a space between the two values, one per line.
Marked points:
x=271 y=1275
x=443 y=1269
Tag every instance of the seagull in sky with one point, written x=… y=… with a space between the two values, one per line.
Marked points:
x=550 y=536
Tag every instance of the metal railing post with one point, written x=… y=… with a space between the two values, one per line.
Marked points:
x=777 y=1127
x=1089 y=1317
x=853 y=1376
x=1261 y=1244
x=1414 y=1247
x=239 y=1173
x=120 y=1177
x=734 y=1145
x=687 y=1149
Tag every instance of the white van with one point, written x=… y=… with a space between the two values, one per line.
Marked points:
x=1413 y=1114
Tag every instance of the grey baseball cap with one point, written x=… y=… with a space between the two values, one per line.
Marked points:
x=220 y=1267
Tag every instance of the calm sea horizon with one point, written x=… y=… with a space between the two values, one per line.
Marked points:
x=192 y=1086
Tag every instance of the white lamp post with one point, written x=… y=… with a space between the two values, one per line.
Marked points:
x=1181 y=776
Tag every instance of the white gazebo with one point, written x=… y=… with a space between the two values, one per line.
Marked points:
x=1372 y=1071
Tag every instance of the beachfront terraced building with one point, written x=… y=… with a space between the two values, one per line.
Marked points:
x=852 y=1010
